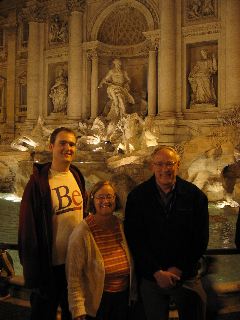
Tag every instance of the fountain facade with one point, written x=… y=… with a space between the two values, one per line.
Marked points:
x=170 y=74
x=127 y=76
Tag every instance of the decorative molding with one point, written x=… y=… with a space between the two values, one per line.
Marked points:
x=201 y=30
x=22 y=78
x=3 y=55
x=146 y=8
x=34 y=13
x=92 y=54
x=153 y=38
x=117 y=51
x=22 y=55
x=76 y=5
x=54 y=53
x=154 y=12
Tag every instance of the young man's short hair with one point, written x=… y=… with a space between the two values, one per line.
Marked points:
x=56 y=132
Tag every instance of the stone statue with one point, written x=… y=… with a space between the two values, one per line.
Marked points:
x=117 y=81
x=201 y=80
x=59 y=91
x=58 y=31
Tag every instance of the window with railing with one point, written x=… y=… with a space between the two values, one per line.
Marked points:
x=1 y=38
x=24 y=34
x=22 y=94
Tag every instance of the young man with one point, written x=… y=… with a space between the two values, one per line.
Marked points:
x=52 y=205
x=166 y=226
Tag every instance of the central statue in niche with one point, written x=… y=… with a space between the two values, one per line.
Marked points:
x=117 y=81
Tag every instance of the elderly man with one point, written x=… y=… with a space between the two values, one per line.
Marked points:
x=166 y=225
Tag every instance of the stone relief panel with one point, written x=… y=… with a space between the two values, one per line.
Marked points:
x=124 y=26
x=58 y=30
x=202 y=78
x=200 y=9
x=58 y=90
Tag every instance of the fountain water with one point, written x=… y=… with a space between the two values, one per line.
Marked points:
x=119 y=151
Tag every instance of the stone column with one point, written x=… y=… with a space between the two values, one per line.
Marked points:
x=167 y=61
x=153 y=42
x=41 y=69
x=94 y=86
x=11 y=77
x=75 y=59
x=152 y=83
x=36 y=13
x=33 y=71
x=232 y=52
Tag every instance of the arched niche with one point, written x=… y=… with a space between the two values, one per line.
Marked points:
x=119 y=31
x=113 y=8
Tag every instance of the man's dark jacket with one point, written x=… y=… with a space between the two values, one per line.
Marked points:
x=159 y=239
x=237 y=233
x=35 y=226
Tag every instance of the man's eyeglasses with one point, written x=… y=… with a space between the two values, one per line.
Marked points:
x=105 y=196
x=168 y=164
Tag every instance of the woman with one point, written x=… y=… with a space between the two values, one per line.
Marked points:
x=99 y=270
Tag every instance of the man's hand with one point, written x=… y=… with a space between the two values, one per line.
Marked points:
x=176 y=271
x=166 y=279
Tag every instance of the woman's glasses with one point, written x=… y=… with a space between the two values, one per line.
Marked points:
x=105 y=196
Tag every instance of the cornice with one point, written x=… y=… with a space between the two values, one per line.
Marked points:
x=103 y=49
x=36 y=12
x=203 y=29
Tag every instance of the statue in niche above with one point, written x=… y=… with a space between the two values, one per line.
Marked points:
x=201 y=80
x=117 y=81
x=58 y=31
x=59 y=91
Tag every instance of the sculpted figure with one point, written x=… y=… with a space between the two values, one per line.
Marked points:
x=117 y=81
x=200 y=8
x=208 y=8
x=59 y=91
x=58 y=31
x=201 y=80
